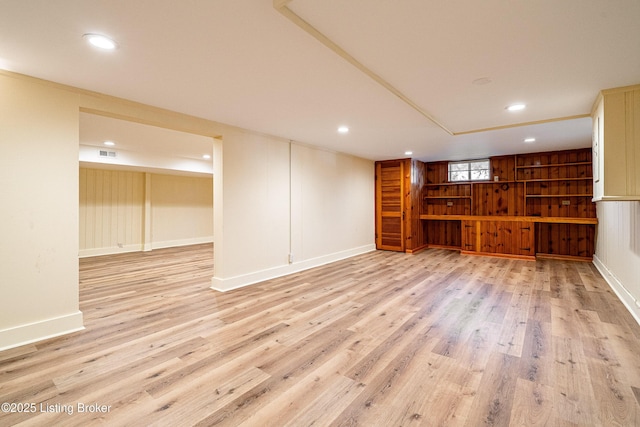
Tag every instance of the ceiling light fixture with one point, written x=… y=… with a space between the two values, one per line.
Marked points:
x=206 y=156
x=98 y=40
x=343 y=129
x=516 y=107
x=528 y=140
x=408 y=153
x=109 y=143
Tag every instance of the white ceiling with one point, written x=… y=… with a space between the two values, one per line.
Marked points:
x=143 y=147
x=244 y=63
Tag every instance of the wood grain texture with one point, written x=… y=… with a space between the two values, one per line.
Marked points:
x=551 y=187
x=415 y=238
x=381 y=339
x=390 y=205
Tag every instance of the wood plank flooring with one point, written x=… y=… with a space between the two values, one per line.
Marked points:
x=382 y=339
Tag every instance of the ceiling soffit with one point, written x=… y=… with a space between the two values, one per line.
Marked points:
x=282 y=6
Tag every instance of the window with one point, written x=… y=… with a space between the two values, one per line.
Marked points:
x=469 y=170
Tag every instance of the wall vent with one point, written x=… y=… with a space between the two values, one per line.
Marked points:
x=105 y=153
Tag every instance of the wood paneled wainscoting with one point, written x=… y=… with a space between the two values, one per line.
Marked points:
x=381 y=339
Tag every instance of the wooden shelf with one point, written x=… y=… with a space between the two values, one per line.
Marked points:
x=588 y=178
x=447 y=183
x=550 y=165
x=558 y=195
x=447 y=197
x=539 y=219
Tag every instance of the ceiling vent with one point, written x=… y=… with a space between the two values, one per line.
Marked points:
x=105 y=153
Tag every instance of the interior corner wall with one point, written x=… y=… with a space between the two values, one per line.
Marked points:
x=112 y=211
x=284 y=199
x=332 y=205
x=181 y=210
x=255 y=230
x=271 y=189
x=618 y=250
x=39 y=215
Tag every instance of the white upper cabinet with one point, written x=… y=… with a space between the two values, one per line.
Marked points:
x=616 y=144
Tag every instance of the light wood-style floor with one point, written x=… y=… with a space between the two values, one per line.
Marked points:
x=382 y=339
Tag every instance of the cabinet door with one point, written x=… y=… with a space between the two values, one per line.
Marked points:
x=470 y=235
x=515 y=238
x=616 y=144
x=507 y=237
x=526 y=241
x=390 y=205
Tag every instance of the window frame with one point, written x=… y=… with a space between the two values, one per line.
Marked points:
x=469 y=170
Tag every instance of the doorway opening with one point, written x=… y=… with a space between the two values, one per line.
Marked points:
x=143 y=187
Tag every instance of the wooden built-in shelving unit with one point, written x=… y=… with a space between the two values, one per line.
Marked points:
x=534 y=204
x=537 y=204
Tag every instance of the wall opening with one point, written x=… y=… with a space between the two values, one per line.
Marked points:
x=156 y=192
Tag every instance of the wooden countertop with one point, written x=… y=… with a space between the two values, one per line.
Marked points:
x=547 y=219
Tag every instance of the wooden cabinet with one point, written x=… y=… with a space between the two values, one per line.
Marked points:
x=488 y=236
x=470 y=236
x=507 y=237
x=616 y=144
x=398 y=191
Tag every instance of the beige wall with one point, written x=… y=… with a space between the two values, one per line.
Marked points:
x=618 y=250
x=39 y=214
x=333 y=200
x=112 y=211
x=256 y=203
x=267 y=203
x=181 y=210
x=283 y=198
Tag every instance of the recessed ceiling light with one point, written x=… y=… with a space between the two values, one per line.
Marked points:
x=516 y=107
x=408 y=153
x=206 y=156
x=109 y=143
x=530 y=140
x=343 y=129
x=98 y=40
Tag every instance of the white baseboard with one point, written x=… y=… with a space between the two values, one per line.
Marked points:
x=181 y=242
x=623 y=294
x=84 y=253
x=139 y=247
x=38 y=331
x=227 y=284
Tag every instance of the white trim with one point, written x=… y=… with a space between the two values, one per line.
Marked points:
x=181 y=242
x=41 y=330
x=615 y=198
x=223 y=285
x=623 y=294
x=83 y=253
